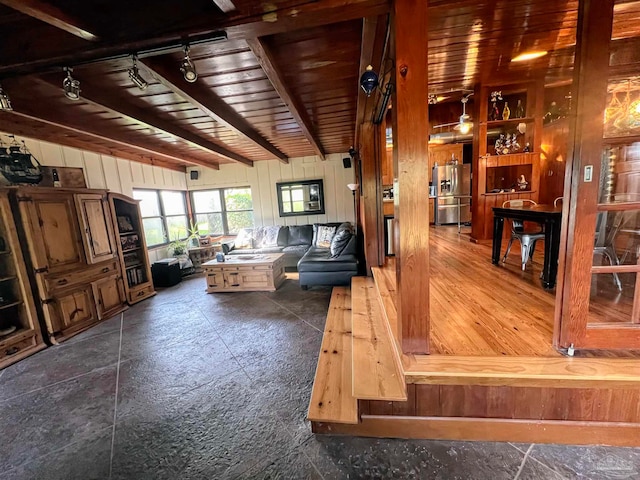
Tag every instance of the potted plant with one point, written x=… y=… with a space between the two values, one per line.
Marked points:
x=178 y=248
x=193 y=240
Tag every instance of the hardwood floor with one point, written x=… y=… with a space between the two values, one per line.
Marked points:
x=480 y=309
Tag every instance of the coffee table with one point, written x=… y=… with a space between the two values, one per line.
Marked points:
x=245 y=273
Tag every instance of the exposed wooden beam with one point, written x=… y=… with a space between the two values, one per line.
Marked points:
x=265 y=58
x=48 y=54
x=225 y=5
x=43 y=116
x=94 y=95
x=374 y=30
x=31 y=127
x=202 y=97
x=45 y=12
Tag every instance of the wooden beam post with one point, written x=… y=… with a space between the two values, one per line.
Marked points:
x=412 y=203
x=371 y=190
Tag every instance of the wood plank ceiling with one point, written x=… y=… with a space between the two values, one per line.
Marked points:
x=283 y=84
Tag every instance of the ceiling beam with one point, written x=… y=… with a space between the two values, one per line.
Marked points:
x=225 y=5
x=51 y=53
x=95 y=96
x=265 y=57
x=45 y=12
x=23 y=125
x=202 y=97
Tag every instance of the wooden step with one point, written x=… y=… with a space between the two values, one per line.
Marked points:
x=522 y=371
x=385 y=279
x=331 y=398
x=377 y=367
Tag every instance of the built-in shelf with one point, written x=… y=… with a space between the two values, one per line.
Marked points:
x=6 y=279
x=134 y=266
x=131 y=250
x=509 y=193
x=9 y=305
x=511 y=121
x=124 y=234
x=5 y=252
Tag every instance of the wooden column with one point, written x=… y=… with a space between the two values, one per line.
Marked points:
x=589 y=89
x=412 y=205
x=371 y=194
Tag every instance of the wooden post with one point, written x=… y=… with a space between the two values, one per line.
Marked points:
x=412 y=206
x=371 y=194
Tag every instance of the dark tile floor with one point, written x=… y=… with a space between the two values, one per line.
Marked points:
x=194 y=386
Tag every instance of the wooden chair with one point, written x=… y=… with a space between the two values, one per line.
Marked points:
x=557 y=201
x=527 y=239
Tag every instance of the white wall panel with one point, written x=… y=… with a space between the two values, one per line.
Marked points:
x=262 y=179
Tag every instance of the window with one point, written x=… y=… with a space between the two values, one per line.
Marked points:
x=164 y=215
x=223 y=211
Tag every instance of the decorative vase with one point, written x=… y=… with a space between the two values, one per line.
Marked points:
x=506 y=113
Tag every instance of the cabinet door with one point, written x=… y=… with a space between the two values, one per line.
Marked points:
x=70 y=309
x=97 y=230
x=52 y=229
x=109 y=295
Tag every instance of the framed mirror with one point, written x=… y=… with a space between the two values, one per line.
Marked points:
x=304 y=197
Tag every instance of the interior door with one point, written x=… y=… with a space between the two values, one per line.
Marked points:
x=95 y=220
x=599 y=290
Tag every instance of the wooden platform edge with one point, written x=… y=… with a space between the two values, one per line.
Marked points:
x=522 y=371
x=489 y=429
x=377 y=366
x=331 y=395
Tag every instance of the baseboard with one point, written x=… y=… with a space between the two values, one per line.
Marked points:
x=489 y=429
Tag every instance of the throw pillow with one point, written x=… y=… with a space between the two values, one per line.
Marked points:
x=340 y=241
x=244 y=238
x=270 y=236
x=324 y=235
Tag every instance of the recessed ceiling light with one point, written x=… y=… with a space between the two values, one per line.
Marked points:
x=523 y=57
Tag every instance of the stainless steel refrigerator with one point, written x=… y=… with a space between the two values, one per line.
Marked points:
x=453 y=185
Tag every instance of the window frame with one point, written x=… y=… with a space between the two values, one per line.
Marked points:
x=223 y=205
x=163 y=216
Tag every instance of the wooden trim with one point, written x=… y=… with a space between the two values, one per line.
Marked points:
x=265 y=57
x=201 y=96
x=47 y=13
x=522 y=371
x=412 y=255
x=485 y=429
x=225 y=5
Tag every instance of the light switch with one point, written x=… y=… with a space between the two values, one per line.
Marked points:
x=588 y=173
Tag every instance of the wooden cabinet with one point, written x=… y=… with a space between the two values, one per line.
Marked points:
x=498 y=165
x=20 y=333
x=96 y=225
x=131 y=247
x=72 y=249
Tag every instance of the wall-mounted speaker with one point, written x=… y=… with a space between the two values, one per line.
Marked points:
x=346 y=162
x=194 y=174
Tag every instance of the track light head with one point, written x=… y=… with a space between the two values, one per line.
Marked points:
x=71 y=86
x=135 y=76
x=5 y=103
x=187 y=68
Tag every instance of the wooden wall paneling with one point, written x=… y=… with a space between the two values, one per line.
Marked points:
x=411 y=137
x=427 y=400
x=585 y=147
x=553 y=160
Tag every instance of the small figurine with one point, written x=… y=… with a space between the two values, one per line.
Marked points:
x=522 y=183
x=506 y=112
x=495 y=113
x=527 y=148
x=519 y=110
x=515 y=146
x=500 y=144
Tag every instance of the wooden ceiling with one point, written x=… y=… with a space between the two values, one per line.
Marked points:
x=283 y=84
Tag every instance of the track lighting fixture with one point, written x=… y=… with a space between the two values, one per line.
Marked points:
x=71 y=86
x=135 y=76
x=5 y=103
x=187 y=68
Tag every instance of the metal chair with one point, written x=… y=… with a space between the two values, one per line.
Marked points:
x=527 y=239
x=557 y=201
x=604 y=242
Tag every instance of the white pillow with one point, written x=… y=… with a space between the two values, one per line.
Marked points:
x=324 y=235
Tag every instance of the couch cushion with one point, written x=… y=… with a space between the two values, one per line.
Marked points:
x=315 y=231
x=340 y=239
x=296 y=249
x=300 y=235
x=256 y=251
x=283 y=236
x=269 y=236
x=319 y=260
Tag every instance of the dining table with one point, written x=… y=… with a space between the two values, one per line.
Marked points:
x=550 y=217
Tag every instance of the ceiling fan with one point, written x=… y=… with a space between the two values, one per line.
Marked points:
x=464 y=124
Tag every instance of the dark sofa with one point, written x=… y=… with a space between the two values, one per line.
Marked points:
x=329 y=260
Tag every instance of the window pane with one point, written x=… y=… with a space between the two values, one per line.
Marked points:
x=153 y=231
x=149 y=206
x=238 y=220
x=177 y=227
x=173 y=203
x=210 y=223
x=207 y=201
x=238 y=199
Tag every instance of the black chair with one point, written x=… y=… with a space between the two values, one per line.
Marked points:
x=527 y=239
